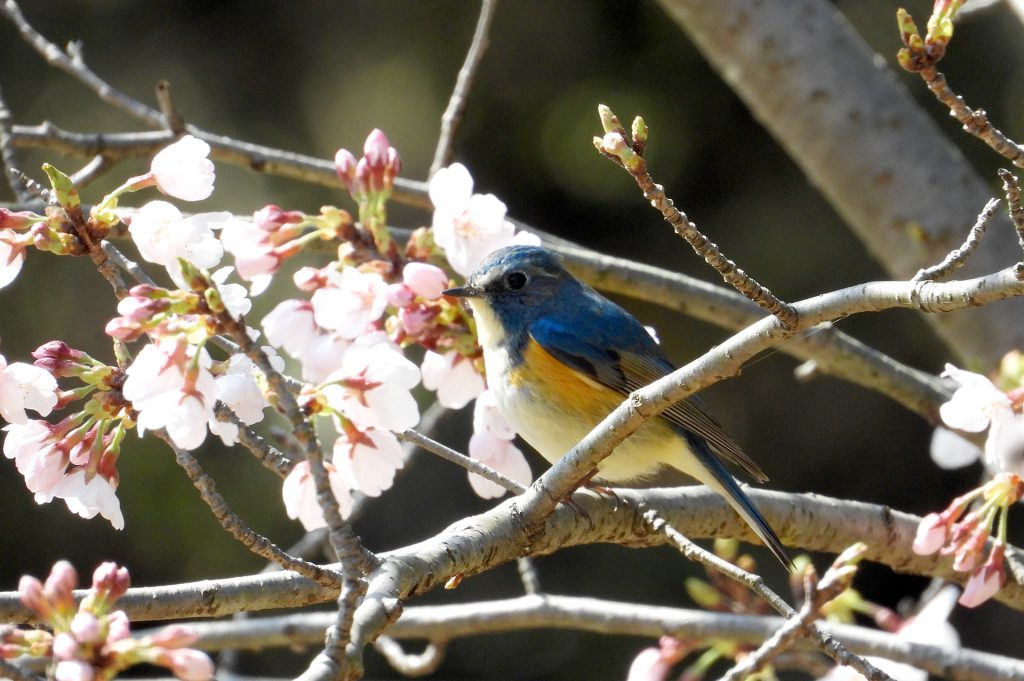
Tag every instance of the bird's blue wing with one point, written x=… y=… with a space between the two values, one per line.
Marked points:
x=601 y=340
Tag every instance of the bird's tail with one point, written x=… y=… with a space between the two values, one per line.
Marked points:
x=720 y=480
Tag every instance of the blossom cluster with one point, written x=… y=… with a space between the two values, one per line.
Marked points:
x=365 y=308
x=978 y=405
x=92 y=641
x=348 y=331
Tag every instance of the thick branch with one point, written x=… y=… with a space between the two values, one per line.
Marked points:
x=604 y=617
x=479 y=543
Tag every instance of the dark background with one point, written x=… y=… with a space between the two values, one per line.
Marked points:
x=315 y=76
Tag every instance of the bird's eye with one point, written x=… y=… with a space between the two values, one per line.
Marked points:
x=516 y=280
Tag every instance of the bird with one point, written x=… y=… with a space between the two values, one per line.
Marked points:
x=560 y=357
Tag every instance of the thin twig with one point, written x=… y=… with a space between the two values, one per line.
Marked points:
x=816 y=596
x=629 y=154
x=248 y=537
x=957 y=258
x=173 y=120
x=827 y=643
x=91 y=171
x=1011 y=187
x=272 y=458
x=975 y=121
x=129 y=266
x=71 y=62
x=469 y=463
x=223 y=149
x=411 y=664
x=9 y=155
x=457 y=102
x=529 y=576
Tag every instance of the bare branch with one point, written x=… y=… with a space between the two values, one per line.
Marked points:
x=248 y=537
x=958 y=256
x=470 y=464
x=457 y=102
x=255 y=157
x=610 y=618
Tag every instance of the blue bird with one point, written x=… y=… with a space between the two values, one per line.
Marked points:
x=560 y=357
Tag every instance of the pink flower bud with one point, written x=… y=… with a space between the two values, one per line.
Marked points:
x=111 y=580
x=30 y=592
x=74 y=670
x=309 y=279
x=122 y=329
x=426 y=281
x=986 y=581
x=394 y=166
x=174 y=636
x=65 y=646
x=375 y=150
x=345 y=166
x=59 y=359
x=271 y=217
x=85 y=627
x=931 y=535
x=118 y=626
x=400 y=295
x=17 y=220
x=414 y=319
x=60 y=583
x=189 y=665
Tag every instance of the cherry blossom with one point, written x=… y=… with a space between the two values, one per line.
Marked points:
x=33 y=446
x=24 y=386
x=425 y=280
x=299 y=493
x=163 y=235
x=932 y=533
x=501 y=455
x=368 y=459
x=467 y=226
x=350 y=302
x=976 y=405
x=654 y=664
x=291 y=325
x=372 y=388
x=170 y=386
x=182 y=170
x=87 y=497
x=454 y=378
x=234 y=296
x=12 y=256
x=487 y=417
x=237 y=388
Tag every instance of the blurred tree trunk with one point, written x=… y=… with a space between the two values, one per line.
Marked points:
x=885 y=166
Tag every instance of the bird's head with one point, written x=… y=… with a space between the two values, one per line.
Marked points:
x=512 y=287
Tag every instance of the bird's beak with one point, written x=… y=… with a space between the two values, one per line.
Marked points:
x=464 y=292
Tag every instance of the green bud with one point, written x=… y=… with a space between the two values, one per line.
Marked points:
x=639 y=135
x=703 y=594
x=609 y=121
x=64 y=188
x=907 y=26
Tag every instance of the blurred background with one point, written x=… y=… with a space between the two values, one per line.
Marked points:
x=312 y=77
